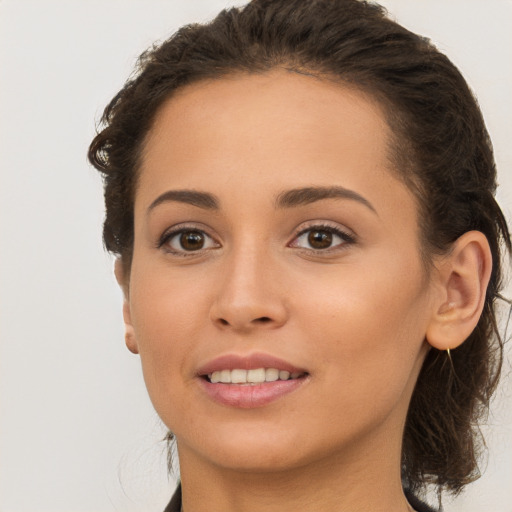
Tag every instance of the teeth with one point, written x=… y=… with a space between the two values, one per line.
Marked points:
x=271 y=374
x=225 y=376
x=256 y=376
x=238 y=376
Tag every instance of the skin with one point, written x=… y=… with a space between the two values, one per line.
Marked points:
x=356 y=316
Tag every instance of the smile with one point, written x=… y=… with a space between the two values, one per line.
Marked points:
x=251 y=377
x=250 y=380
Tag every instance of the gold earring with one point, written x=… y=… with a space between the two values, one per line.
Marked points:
x=449 y=356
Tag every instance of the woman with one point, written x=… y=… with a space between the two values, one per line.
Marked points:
x=300 y=196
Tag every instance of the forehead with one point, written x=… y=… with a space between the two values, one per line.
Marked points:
x=267 y=129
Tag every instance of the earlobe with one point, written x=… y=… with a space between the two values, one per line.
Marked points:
x=463 y=278
x=129 y=335
x=129 y=332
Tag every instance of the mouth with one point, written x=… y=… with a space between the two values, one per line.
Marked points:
x=252 y=377
x=250 y=381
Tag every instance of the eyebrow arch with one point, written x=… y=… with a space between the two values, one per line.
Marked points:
x=203 y=200
x=307 y=195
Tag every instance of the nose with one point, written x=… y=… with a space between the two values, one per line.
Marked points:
x=249 y=295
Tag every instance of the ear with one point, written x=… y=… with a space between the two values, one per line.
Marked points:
x=463 y=276
x=123 y=281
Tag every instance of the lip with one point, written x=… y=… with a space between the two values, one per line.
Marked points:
x=247 y=362
x=248 y=396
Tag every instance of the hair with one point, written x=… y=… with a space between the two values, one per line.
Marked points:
x=441 y=150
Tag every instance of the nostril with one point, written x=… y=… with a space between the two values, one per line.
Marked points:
x=263 y=320
x=244 y=323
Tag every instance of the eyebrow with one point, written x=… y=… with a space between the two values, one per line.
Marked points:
x=308 y=195
x=287 y=199
x=203 y=200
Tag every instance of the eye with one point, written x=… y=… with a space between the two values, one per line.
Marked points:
x=187 y=240
x=321 y=238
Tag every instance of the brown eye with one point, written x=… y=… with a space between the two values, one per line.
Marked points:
x=192 y=240
x=319 y=239
x=187 y=241
x=322 y=238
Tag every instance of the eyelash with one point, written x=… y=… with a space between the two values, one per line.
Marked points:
x=168 y=236
x=347 y=239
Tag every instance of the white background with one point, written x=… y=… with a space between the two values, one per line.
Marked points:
x=77 y=431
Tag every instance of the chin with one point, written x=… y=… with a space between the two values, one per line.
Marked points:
x=249 y=449
x=262 y=449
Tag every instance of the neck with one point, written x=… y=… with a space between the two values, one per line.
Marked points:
x=353 y=481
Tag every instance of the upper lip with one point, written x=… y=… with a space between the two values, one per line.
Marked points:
x=247 y=362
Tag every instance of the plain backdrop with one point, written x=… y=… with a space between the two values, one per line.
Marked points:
x=77 y=431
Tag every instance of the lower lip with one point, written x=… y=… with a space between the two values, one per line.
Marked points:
x=250 y=396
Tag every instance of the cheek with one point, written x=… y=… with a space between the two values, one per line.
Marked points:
x=168 y=319
x=368 y=325
x=164 y=304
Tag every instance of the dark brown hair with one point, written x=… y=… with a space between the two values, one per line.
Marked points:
x=441 y=149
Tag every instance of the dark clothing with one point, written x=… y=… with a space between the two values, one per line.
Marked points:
x=175 y=503
x=419 y=506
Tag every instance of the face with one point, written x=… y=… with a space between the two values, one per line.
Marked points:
x=273 y=241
